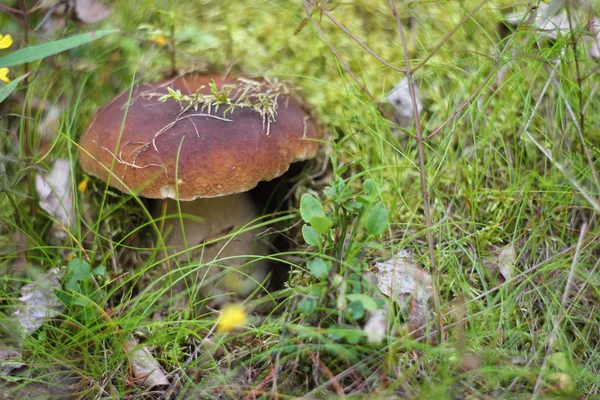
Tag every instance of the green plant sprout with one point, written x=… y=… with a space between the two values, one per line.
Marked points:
x=260 y=96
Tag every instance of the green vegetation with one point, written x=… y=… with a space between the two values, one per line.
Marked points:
x=493 y=194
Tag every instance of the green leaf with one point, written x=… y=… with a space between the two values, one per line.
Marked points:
x=8 y=89
x=559 y=360
x=367 y=302
x=352 y=206
x=377 y=219
x=319 y=268
x=356 y=309
x=38 y=52
x=321 y=223
x=101 y=270
x=350 y=336
x=307 y=305
x=372 y=188
x=78 y=270
x=310 y=207
x=311 y=237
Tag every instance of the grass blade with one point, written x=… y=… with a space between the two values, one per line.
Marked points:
x=33 y=53
x=8 y=89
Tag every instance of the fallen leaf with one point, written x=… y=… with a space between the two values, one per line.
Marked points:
x=468 y=362
x=399 y=98
x=50 y=123
x=144 y=366
x=376 y=327
x=548 y=21
x=404 y=281
x=594 y=28
x=56 y=198
x=501 y=262
x=401 y=277
x=38 y=303
x=10 y=359
x=87 y=11
x=91 y=11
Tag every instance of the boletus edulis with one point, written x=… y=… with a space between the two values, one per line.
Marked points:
x=204 y=147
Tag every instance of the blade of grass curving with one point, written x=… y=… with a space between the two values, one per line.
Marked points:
x=5 y=91
x=38 y=52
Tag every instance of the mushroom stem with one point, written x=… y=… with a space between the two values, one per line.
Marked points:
x=190 y=224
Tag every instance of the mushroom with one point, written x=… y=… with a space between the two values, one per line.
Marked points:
x=200 y=160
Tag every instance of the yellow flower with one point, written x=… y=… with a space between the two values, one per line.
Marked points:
x=82 y=187
x=232 y=316
x=3 y=73
x=5 y=41
x=160 y=39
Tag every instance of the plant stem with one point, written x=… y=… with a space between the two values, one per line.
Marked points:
x=423 y=168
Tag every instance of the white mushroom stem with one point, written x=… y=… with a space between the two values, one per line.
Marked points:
x=204 y=220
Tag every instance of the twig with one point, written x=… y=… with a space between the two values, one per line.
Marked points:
x=332 y=379
x=258 y=389
x=423 y=170
x=357 y=40
x=449 y=35
x=179 y=118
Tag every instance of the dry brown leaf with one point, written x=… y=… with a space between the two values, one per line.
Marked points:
x=91 y=11
x=594 y=28
x=401 y=277
x=38 y=302
x=549 y=26
x=10 y=359
x=404 y=281
x=87 y=11
x=56 y=198
x=145 y=367
x=502 y=262
x=399 y=98
x=376 y=326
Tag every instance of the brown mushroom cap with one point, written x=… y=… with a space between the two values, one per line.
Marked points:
x=197 y=156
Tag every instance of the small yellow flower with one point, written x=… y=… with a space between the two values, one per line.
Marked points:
x=82 y=187
x=160 y=39
x=3 y=73
x=5 y=41
x=232 y=316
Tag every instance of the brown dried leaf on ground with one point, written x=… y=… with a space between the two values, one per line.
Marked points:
x=501 y=262
x=56 y=198
x=145 y=367
x=594 y=28
x=10 y=359
x=403 y=280
x=38 y=303
x=376 y=326
x=548 y=20
x=91 y=11
x=399 y=97
x=86 y=11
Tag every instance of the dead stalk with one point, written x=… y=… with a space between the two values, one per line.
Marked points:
x=422 y=167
